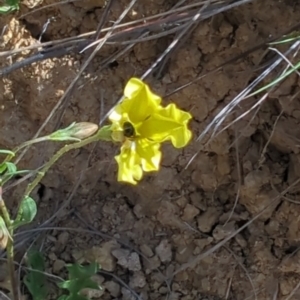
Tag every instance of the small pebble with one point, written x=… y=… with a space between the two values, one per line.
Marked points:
x=113 y=288
x=190 y=212
x=146 y=250
x=58 y=265
x=164 y=251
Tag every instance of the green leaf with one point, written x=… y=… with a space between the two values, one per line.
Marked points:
x=36 y=281
x=9 y=167
x=7 y=171
x=3 y=168
x=9 y=6
x=12 y=2
x=76 y=285
x=79 y=279
x=27 y=212
x=77 y=271
x=5 y=9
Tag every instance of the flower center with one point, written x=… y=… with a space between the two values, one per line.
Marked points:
x=128 y=130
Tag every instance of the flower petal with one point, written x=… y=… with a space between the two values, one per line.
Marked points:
x=136 y=157
x=140 y=102
x=169 y=123
x=129 y=163
x=149 y=154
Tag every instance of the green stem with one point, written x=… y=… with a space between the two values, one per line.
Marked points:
x=100 y=135
x=9 y=247
x=25 y=144
x=11 y=267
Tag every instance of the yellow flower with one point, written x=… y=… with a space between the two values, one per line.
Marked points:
x=142 y=124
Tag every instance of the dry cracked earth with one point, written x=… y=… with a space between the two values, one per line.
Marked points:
x=143 y=235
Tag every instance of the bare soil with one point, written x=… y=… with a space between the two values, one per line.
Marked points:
x=141 y=235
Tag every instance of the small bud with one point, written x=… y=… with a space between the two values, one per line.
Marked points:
x=4 y=234
x=3 y=239
x=76 y=131
x=83 y=130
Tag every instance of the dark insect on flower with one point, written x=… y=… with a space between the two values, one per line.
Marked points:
x=128 y=129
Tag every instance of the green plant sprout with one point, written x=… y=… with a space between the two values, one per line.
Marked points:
x=79 y=278
x=285 y=74
x=139 y=123
x=294 y=36
x=9 y=6
x=35 y=279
